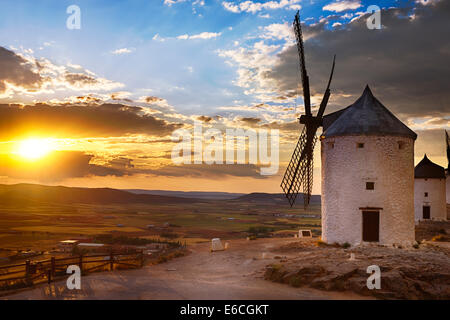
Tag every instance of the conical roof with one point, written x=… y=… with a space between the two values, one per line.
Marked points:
x=428 y=170
x=367 y=116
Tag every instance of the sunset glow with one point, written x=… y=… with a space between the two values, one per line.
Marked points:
x=34 y=149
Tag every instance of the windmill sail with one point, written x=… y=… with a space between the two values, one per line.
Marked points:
x=304 y=74
x=448 y=151
x=299 y=172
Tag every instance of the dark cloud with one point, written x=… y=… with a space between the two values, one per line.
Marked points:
x=80 y=79
x=89 y=99
x=208 y=171
x=204 y=118
x=121 y=163
x=406 y=63
x=105 y=120
x=152 y=99
x=250 y=120
x=16 y=70
x=57 y=166
x=116 y=96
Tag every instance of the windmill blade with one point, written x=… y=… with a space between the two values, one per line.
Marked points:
x=308 y=183
x=448 y=151
x=327 y=93
x=301 y=53
x=297 y=169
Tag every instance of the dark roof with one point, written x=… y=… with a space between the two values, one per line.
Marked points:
x=429 y=170
x=367 y=116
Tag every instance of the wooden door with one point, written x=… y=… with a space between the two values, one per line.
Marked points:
x=426 y=212
x=371 y=226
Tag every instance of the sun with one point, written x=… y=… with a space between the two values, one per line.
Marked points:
x=33 y=149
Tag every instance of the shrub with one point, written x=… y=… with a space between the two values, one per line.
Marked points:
x=438 y=238
x=346 y=245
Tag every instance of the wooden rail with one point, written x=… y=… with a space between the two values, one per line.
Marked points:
x=33 y=272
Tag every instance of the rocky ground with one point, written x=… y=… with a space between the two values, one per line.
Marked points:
x=420 y=272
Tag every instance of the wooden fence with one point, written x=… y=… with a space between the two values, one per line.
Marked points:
x=33 y=272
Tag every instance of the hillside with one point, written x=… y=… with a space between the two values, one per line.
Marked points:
x=35 y=194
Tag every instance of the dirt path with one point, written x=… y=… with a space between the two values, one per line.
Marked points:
x=236 y=273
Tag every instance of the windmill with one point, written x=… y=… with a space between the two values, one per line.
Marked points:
x=299 y=172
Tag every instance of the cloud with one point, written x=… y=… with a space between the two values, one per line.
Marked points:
x=73 y=121
x=122 y=51
x=171 y=2
x=340 y=6
x=17 y=71
x=198 y=36
x=253 y=7
x=406 y=63
x=152 y=99
x=23 y=76
x=204 y=118
x=209 y=171
x=203 y=35
x=250 y=120
x=278 y=31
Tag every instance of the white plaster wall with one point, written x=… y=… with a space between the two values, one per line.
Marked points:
x=448 y=189
x=436 y=198
x=345 y=171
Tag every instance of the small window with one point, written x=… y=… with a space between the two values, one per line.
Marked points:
x=370 y=185
x=331 y=145
x=360 y=145
x=426 y=194
x=401 y=145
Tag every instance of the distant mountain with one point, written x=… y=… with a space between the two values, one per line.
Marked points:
x=34 y=194
x=40 y=194
x=275 y=198
x=190 y=194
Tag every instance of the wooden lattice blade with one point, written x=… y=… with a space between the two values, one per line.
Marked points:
x=297 y=169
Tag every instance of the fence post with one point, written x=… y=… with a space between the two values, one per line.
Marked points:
x=49 y=276
x=111 y=261
x=53 y=263
x=27 y=270
x=81 y=263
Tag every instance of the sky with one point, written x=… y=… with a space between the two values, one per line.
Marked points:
x=97 y=106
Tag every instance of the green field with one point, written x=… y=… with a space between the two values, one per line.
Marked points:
x=40 y=227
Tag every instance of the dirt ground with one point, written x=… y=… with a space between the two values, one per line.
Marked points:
x=234 y=274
